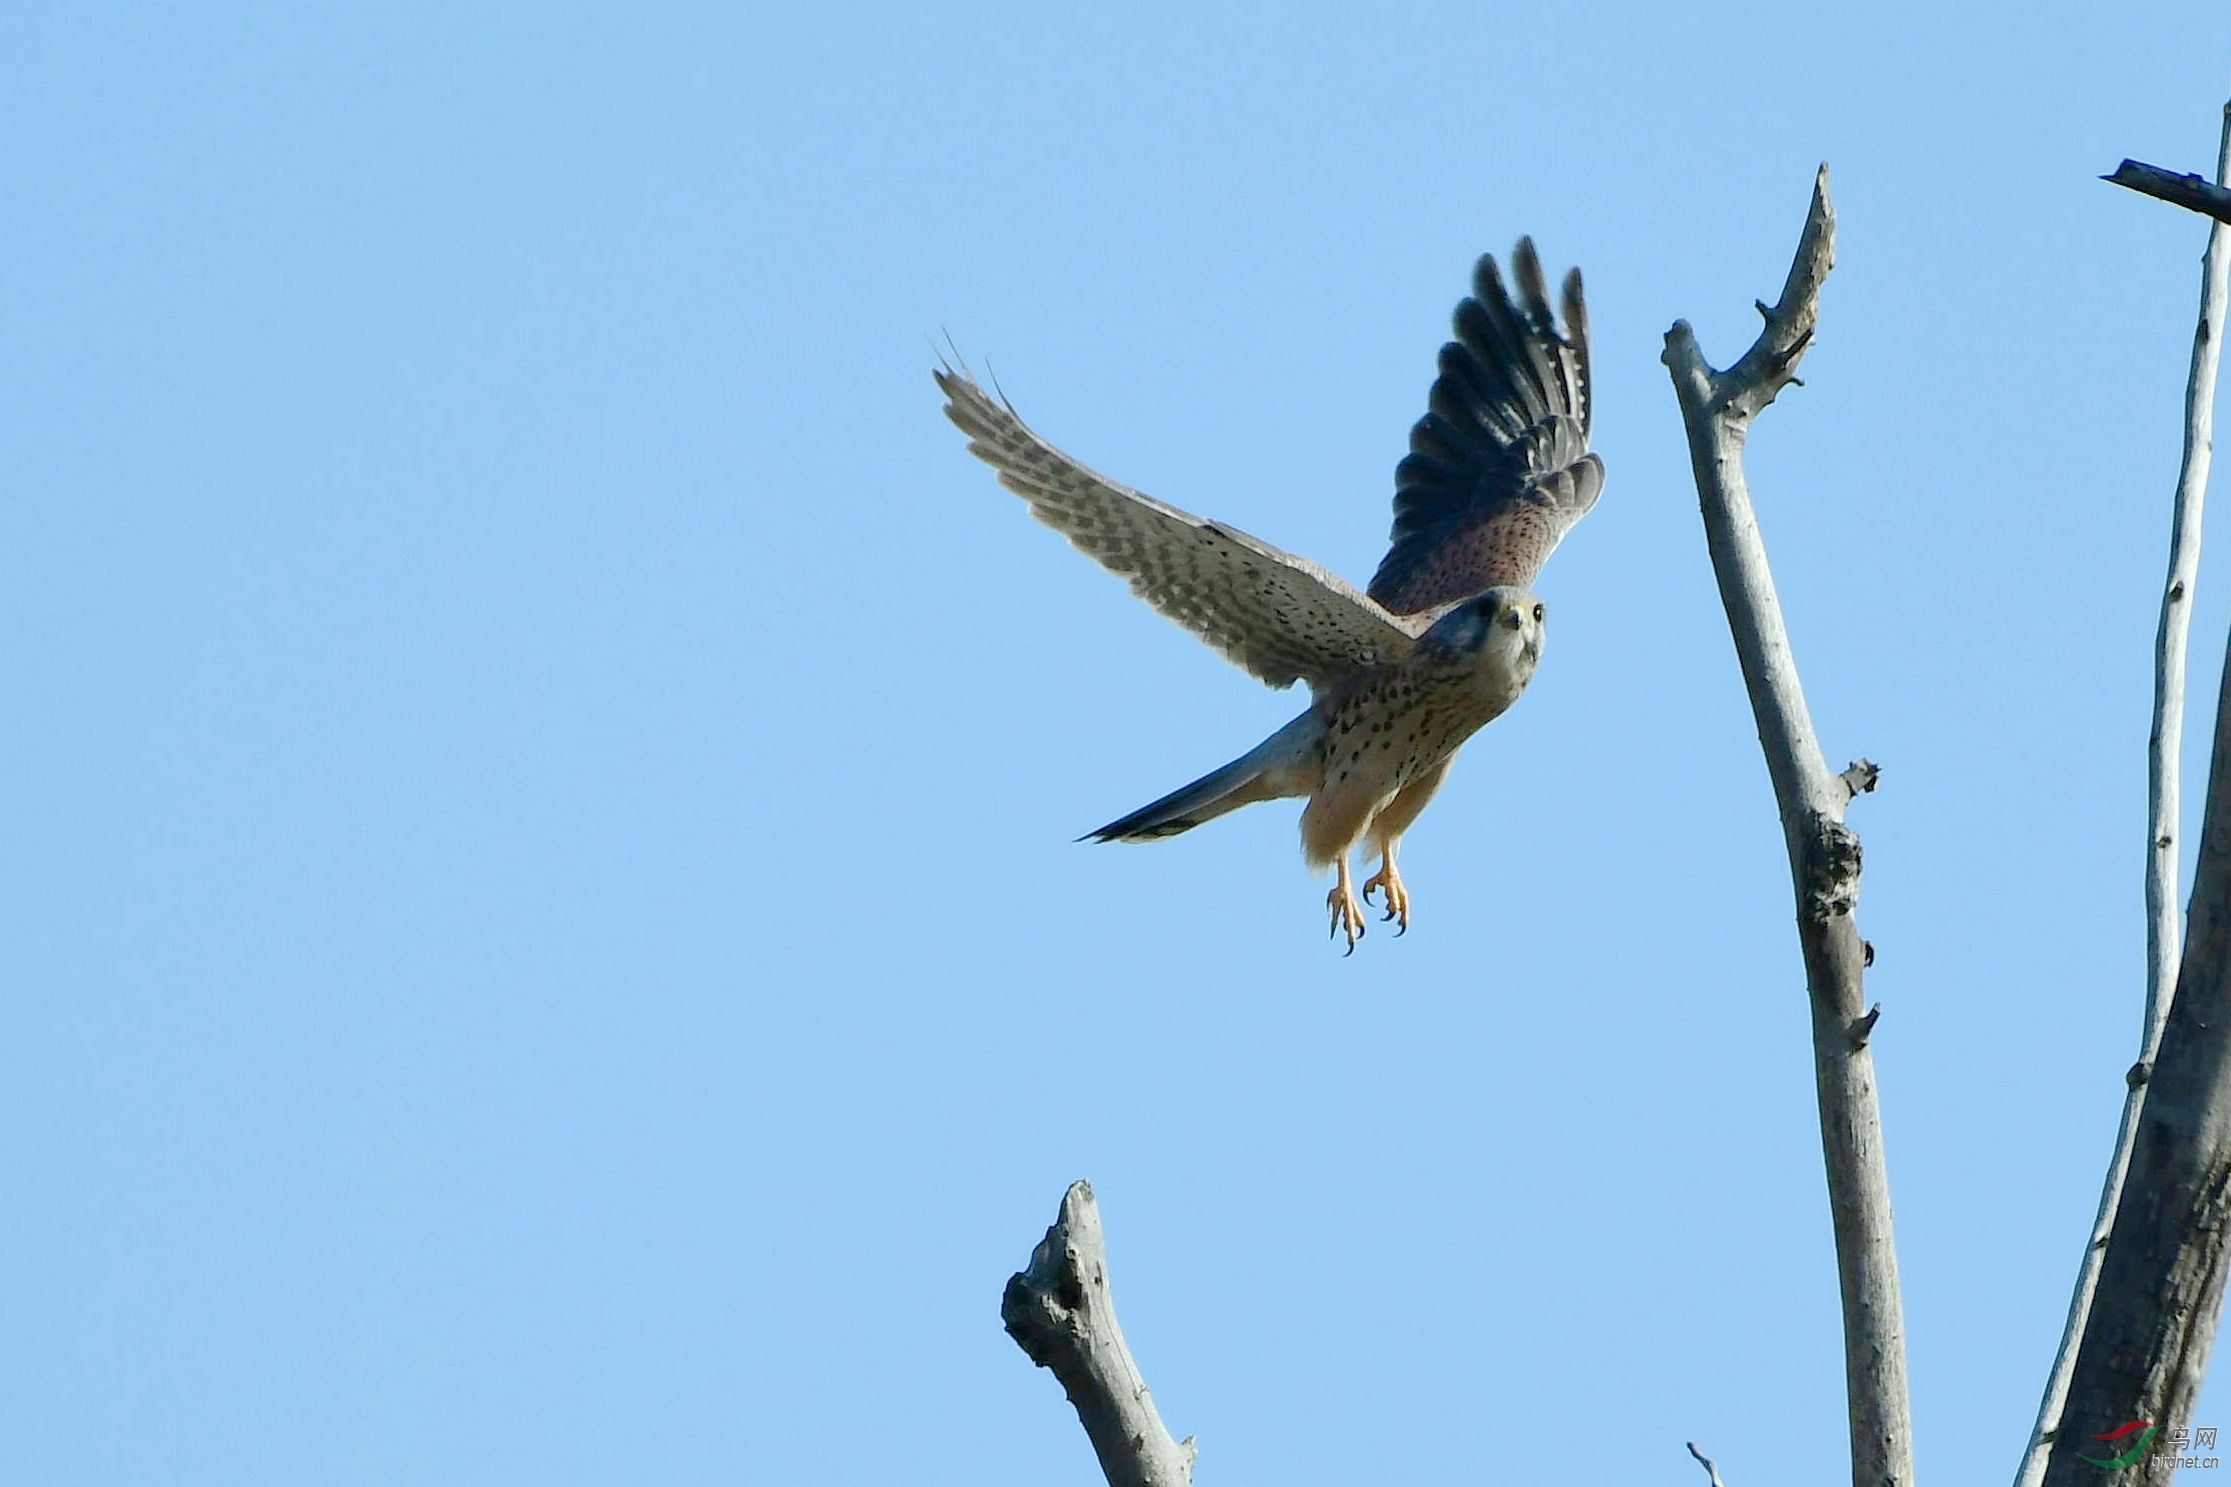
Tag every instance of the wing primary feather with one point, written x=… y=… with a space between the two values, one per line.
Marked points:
x=1576 y=340
x=1498 y=467
x=1528 y=266
x=1503 y=344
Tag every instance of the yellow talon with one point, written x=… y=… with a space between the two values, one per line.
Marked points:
x=1347 y=914
x=1398 y=896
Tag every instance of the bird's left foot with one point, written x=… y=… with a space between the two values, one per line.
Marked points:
x=1398 y=896
x=1347 y=914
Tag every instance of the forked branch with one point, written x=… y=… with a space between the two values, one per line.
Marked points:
x=1718 y=408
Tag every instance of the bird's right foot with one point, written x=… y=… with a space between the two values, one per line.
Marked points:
x=1347 y=914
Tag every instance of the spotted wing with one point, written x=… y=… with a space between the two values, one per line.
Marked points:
x=1281 y=617
x=1499 y=468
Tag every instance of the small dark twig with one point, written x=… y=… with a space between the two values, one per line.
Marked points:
x=2193 y=193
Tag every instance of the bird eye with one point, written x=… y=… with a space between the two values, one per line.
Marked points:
x=1538 y=613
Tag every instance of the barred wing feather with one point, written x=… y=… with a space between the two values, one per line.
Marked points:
x=1279 y=616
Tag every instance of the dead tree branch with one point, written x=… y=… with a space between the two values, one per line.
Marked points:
x=2165 y=746
x=2150 y=1293
x=1062 y=1313
x=2152 y=1322
x=2194 y=193
x=1718 y=408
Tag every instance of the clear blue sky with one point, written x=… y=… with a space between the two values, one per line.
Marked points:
x=543 y=938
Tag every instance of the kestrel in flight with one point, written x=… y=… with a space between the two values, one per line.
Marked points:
x=1443 y=641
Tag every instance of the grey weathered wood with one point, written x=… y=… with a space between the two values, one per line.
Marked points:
x=1061 y=1311
x=1718 y=409
x=2152 y=1322
x=1711 y=1467
x=2194 y=193
x=2143 y=1342
x=2164 y=937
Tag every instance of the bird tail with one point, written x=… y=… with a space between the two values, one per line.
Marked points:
x=1286 y=763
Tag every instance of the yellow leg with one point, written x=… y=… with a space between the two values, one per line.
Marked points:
x=1347 y=914
x=1398 y=896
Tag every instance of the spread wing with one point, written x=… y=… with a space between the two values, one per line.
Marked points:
x=1281 y=617
x=1499 y=468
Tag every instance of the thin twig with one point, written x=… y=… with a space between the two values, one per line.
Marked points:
x=1060 y=1310
x=1711 y=1468
x=1718 y=408
x=2164 y=929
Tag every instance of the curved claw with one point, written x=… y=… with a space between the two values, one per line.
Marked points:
x=1398 y=896
x=1346 y=913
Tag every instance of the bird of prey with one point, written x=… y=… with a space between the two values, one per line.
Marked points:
x=1446 y=637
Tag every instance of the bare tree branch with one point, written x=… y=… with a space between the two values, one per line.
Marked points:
x=1711 y=1467
x=2165 y=794
x=2137 y=1346
x=1062 y=1313
x=2164 y=936
x=2152 y=1322
x=1718 y=408
x=2195 y=193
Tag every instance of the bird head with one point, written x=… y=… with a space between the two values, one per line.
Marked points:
x=1502 y=623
